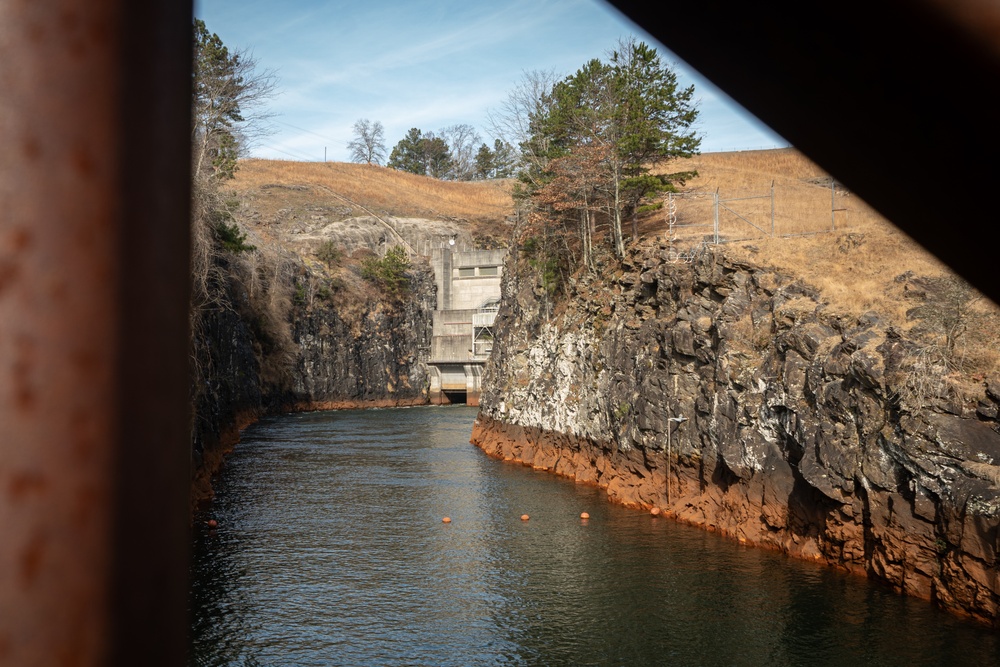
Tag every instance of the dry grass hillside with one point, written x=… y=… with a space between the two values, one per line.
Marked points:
x=852 y=254
x=314 y=227
x=803 y=200
x=858 y=260
x=280 y=189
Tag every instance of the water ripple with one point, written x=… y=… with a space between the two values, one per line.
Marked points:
x=331 y=551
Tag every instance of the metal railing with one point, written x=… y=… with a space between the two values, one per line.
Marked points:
x=484 y=319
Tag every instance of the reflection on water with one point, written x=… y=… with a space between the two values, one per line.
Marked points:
x=330 y=551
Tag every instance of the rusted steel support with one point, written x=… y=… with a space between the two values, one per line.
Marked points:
x=93 y=331
x=893 y=97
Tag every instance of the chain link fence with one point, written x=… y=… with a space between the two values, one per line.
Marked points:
x=701 y=218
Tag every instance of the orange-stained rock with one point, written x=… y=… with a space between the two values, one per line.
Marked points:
x=904 y=554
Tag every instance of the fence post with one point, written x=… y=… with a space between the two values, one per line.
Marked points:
x=772 y=208
x=715 y=215
x=833 y=204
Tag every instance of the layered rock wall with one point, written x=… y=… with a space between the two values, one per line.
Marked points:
x=731 y=389
x=378 y=355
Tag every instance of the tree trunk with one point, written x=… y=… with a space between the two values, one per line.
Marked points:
x=616 y=221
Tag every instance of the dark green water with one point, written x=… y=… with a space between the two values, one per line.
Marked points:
x=330 y=550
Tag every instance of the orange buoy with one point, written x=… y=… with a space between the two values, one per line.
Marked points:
x=525 y=517
x=655 y=511
x=584 y=515
x=447 y=519
x=212 y=523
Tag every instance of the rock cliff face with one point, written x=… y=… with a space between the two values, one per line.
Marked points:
x=379 y=355
x=726 y=395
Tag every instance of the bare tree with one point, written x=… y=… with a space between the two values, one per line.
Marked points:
x=229 y=104
x=229 y=97
x=511 y=121
x=368 y=145
x=463 y=141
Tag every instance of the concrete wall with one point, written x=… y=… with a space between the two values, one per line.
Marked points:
x=480 y=258
x=453 y=322
x=442 y=265
x=463 y=279
x=451 y=349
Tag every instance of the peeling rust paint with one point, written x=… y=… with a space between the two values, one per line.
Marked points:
x=88 y=503
x=8 y=275
x=30 y=561
x=85 y=361
x=93 y=306
x=25 y=395
x=20 y=239
x=58 y=290
x=85 y=446
x=25 y=483
x=83 y=162
x=31 y=149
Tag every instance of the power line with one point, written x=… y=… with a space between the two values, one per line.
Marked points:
x=297 y=157
x=302 y=129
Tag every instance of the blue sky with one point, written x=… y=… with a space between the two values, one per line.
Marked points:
x=430 y=65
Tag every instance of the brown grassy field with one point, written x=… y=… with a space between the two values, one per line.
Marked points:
x=802 y=196
x=379 y=189
x=853 y=258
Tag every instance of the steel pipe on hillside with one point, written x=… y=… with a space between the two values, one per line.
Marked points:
x=94 y=205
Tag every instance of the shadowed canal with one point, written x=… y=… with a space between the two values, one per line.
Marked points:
x=330 y=550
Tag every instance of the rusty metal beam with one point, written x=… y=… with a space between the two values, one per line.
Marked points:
x=895 y=98
x=93 y=331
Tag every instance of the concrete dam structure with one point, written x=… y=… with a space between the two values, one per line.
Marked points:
x=468 y=296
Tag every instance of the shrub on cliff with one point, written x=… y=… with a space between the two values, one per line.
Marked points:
x=330 y=253
x=232 y=237
x=944 y=317
x=389 y=272
x=546 y=263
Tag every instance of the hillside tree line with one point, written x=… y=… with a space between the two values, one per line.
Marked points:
x=455 y=153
